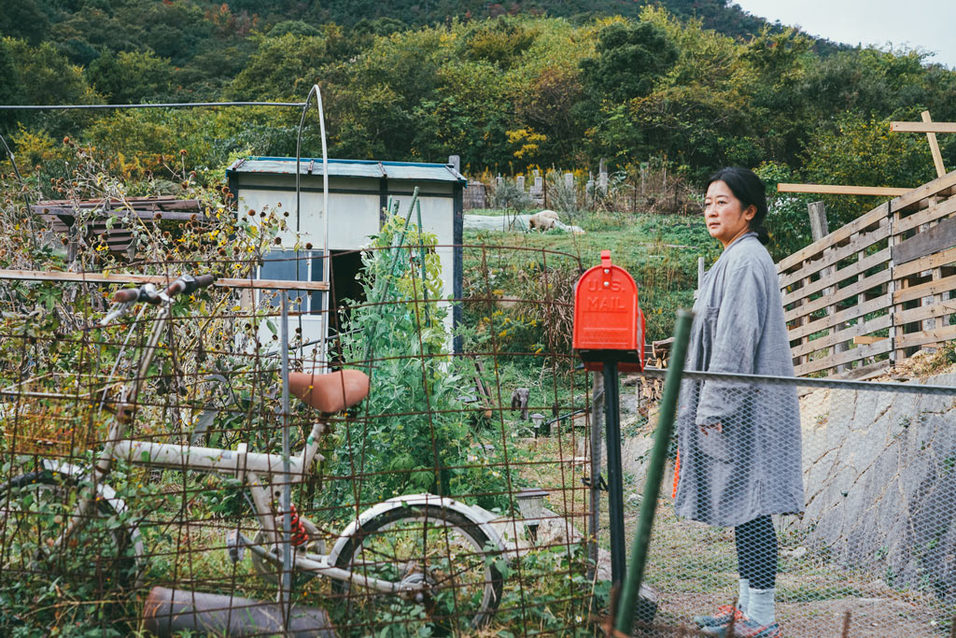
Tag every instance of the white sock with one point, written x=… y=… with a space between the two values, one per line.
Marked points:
x=760 y=606
x=743 y=595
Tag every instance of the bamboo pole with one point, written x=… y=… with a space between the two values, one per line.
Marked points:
x=655 y=472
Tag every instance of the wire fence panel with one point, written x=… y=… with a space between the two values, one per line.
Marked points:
x=143 y=476
x=450 y=495
x=872 y=547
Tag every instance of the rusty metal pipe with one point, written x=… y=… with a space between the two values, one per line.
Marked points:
x=168 y=611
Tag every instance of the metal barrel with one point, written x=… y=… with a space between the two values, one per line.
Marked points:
x=168 y=611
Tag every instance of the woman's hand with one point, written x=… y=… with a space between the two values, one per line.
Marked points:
x=707 y=427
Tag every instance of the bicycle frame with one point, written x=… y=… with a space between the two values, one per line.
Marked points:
x=262 y=473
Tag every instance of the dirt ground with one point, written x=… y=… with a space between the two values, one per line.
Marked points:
x=869 y=617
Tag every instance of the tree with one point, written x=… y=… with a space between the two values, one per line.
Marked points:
x=872 y=82
x=500 y=41
x=24 y=19
x=131 y=77
x=41 y=75
x=631 y=57
x=174 y=29
x=696 y=113
x=380 y=105
x=862 y=151
x=549 y=107
x=779 y=109
x=282 y=67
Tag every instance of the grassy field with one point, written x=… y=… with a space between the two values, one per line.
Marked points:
x=659 y=251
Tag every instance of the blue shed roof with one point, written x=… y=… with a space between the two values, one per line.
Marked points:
x=349 y=168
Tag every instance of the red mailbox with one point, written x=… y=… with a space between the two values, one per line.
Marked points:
x=608 y=323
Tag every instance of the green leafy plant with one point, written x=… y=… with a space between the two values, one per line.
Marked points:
x=413 y=433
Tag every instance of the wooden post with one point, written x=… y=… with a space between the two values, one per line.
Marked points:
x=934 y=147
x=819 y=228
x=896 y=356
x=818 y=220
x=934 y=274
x=846 y=625
x=594 y=494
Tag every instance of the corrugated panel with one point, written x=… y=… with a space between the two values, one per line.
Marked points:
x=421 y=172
x=349 y=168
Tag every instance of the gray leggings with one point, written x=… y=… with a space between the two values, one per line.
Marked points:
x=756 y=542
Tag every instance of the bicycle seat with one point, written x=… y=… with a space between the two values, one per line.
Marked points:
x=330 y=392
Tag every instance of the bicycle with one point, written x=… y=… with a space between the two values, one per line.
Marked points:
x=431 y=556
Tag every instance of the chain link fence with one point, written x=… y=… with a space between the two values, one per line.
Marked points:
x=872 y=551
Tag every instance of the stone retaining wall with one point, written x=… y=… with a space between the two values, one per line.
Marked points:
x=880 y=478
x=881 y=483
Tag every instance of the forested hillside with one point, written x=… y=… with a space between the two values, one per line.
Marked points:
x=692 y=84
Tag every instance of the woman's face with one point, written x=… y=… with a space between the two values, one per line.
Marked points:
x=725 y=216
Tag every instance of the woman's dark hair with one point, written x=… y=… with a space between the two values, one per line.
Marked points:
x=749 y=189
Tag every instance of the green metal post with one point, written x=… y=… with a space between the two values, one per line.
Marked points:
x=624 y=621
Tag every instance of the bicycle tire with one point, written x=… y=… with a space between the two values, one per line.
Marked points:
x=97 y=564
x=415 y=543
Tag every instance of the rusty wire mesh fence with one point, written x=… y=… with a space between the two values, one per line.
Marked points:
x=451 y=500
x=140 y=499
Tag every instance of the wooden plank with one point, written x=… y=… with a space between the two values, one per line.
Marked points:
x=935 y=287
x=154 y=203
x=840 y=294
x=929 y=189
x=837 y=189
x=937 y=335
x=129 y=278
x=847 y=314
x=933 y=311
x=923 y=127
x=847 y=334
x=834 y=255
x=861 y=373
x=878 y=215
x=59 y=213
x=929 y=214
x=942 y=258
x=934 y=146
x=847 y=356
x=836 y=277
x=926 y=242
x=863 y=340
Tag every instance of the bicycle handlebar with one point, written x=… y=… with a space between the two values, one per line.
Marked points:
x=185 y=284
x=123 y=299
x=126 y=295
x=188 y=284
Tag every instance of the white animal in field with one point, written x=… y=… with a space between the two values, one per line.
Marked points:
x=543 y=220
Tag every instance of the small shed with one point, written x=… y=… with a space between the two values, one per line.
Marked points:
x=359 y=192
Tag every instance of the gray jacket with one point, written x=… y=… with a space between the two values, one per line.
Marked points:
x=753 y=466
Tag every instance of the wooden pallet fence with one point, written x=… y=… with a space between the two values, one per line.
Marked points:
x=878 y=289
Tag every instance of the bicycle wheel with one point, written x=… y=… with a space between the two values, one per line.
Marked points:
x=71 y=583
x=413 y=545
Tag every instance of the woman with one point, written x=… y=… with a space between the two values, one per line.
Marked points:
x=739 y=443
